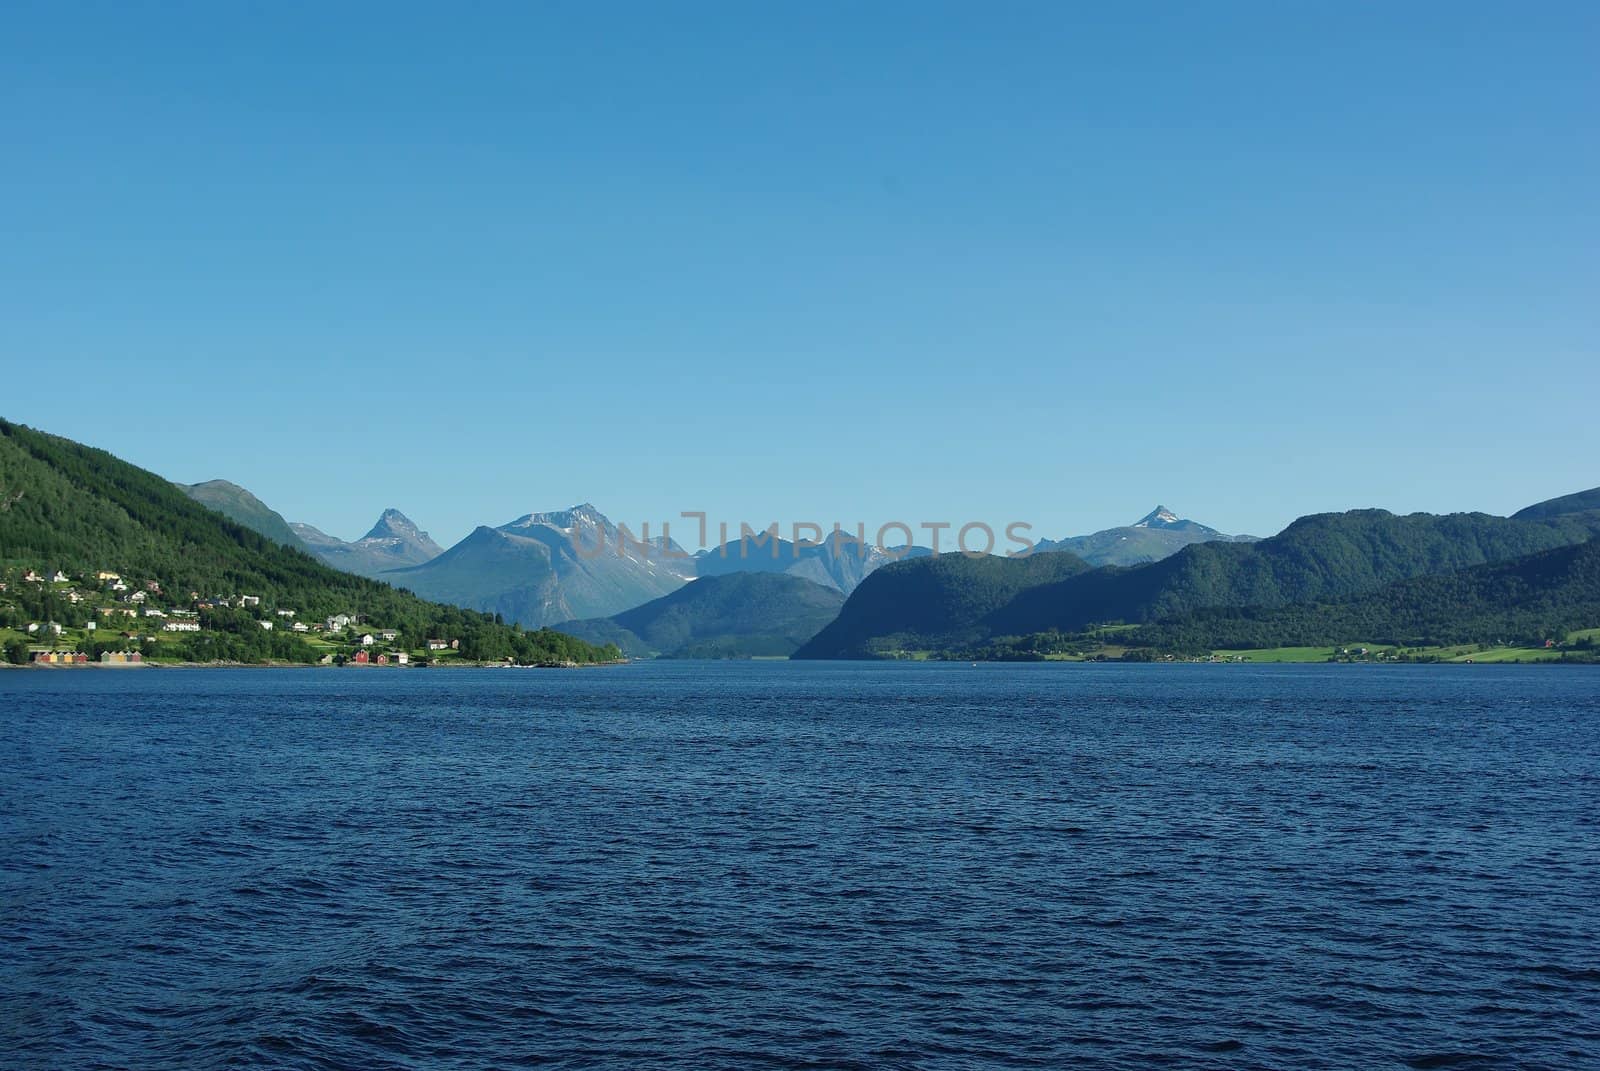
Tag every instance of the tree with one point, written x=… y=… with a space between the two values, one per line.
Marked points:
x=17 y=652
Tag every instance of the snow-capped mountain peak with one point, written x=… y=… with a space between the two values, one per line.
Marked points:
x=1160 y=517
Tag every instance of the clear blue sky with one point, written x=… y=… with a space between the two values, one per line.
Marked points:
x=811 y=261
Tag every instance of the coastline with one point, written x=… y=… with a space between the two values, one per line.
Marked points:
x=298 y=665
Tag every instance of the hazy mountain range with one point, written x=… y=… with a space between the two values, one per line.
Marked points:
x=547 y=567
x=394 y=542
x=839 y=562
x=531 y=571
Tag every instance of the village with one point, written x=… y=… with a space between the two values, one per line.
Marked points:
x=105 y=618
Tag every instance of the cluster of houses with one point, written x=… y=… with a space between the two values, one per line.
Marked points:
x=128 y=604
x=78 y=658
x=365 y=658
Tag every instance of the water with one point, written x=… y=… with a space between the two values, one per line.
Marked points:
x=808 y=866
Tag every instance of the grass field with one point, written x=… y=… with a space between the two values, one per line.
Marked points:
x=1459 y=654
x=1297 y=654
x=1508 y=654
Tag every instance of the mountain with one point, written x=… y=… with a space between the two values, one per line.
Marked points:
x=1322 y=557
x=1160 y=517
x=75 y=508
x=740 y=615
x=547 y=567
x=1581 y=502
x=239 y=505
x=1525 y=600
x=395 y=542
x=933 y=602
x=840 y=562
x=1157 y=535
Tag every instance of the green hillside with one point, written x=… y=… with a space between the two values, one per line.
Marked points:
x=740 y=615
x=1527 y=600
x=933 y=602
x=1323 y=557
x=237 y=504
x=69 y=507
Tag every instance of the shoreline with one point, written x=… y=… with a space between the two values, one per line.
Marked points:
x=296 y=665
x=851 y=661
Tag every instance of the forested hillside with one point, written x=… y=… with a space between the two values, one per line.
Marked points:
x=933 y=602
x=1528 y=600
x=1324 y=557
x=740 y=615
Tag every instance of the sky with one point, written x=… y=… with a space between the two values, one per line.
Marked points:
x=1046 y=263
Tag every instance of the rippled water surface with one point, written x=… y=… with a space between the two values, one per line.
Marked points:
x=821 y=866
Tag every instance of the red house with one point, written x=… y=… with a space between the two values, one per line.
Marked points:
x=360 y=658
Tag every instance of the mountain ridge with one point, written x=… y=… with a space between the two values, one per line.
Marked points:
x=1322 y=556
x=1532 y=598
x=1577 y=502
x=1157 y=535
x=393 y=542
x=242 y=507
x=541 y=568
x=736 y=615
x=840 y=562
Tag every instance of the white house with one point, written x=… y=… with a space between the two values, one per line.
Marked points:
x=250 y=600
x=137 y=596
x=151 y=611
x=181 y=626
x=266 y=625
x=401 y=658
x=300 y=626
x=368 y=640
x=60 y=578
x=389 y=635
x=285 y=613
